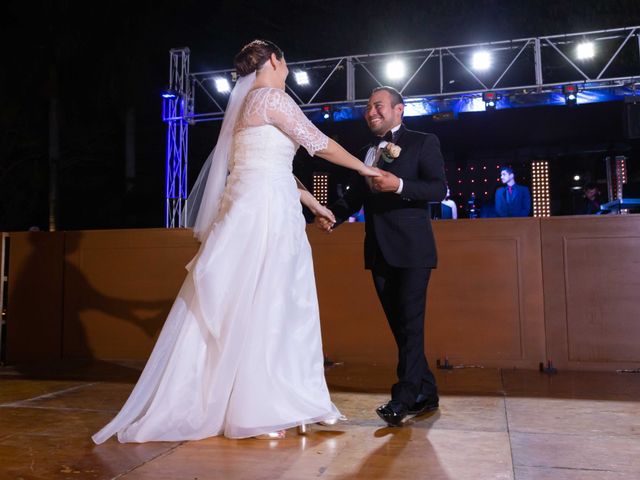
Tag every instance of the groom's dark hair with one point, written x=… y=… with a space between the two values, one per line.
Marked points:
x=396 y=96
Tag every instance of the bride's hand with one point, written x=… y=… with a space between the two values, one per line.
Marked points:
x=369 y=171
x=324 y=213
x=321 y=212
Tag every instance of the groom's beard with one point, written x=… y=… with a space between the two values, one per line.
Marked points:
x=380 y=130
x=384 y=126
x=381 y=126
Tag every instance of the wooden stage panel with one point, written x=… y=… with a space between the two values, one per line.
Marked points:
x=592 y=291
x=35 y=302
x=603 y=302
x=507 y=293
x=485 y=304
x=485 y=301
x=119 y=287
x=354 y=328
x=470 y=296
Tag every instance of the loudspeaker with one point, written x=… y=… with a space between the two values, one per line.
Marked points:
x=632 y=117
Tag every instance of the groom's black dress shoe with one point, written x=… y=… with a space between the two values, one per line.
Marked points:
x=393 y=413
x=429 y=404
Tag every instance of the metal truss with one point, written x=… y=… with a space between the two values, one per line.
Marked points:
x=521 y=66
x=522 y=70
x=177 y=108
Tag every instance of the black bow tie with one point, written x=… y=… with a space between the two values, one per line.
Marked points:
x=388 y=137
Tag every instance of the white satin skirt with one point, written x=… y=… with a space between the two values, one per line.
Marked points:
x=240 y=353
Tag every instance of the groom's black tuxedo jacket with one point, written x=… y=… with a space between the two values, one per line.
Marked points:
x=399 y=225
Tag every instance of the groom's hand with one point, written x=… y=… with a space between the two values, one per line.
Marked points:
x=386 y=182
x=323 y=224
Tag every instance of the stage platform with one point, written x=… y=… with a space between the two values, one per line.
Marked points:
x=507 y=293
x=492 y=424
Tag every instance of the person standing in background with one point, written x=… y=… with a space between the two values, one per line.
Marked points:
x=512 y=200
x=591 y=200
x=448 y=207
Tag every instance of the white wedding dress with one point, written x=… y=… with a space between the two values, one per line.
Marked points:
x=240 y=353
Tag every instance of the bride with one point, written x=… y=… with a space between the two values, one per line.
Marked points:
x=240 y=353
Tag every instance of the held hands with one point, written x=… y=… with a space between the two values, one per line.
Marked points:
x=385 y=182
x=366 y=171
x=324 y=214
x=324 y=224
x=381 y=180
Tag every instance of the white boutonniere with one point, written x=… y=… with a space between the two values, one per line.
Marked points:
x=390 y=152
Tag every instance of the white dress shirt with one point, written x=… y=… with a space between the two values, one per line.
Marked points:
x=373 y=157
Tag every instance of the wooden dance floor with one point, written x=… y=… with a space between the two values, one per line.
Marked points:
x=492 y=424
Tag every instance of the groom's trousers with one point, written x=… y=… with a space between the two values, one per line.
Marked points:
x=403 y=294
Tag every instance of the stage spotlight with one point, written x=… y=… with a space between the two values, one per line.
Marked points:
x=326 y=112
x=301 y=78
x=570 y=94
x=223 y=85
x=169 y=93
x=396 y=70
x=576 y=178
x=490 y=100
x=585 y=51
x=481 y=61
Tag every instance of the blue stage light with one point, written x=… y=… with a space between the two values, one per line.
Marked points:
x=169 y=94
x=490 y=100
x=417 y=107
x=570 y=94
x=470 y=104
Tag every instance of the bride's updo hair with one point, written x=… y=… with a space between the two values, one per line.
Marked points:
x=253 y=55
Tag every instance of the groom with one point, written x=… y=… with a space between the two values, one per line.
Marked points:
x=399 y=247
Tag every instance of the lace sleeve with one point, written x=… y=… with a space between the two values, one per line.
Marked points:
x=282 y=112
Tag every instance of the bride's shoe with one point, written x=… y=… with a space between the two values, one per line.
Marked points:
x=272 y=435
x=302 y=428
x=330 y=422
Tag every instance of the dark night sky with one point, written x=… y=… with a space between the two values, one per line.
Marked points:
x=102 y=60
